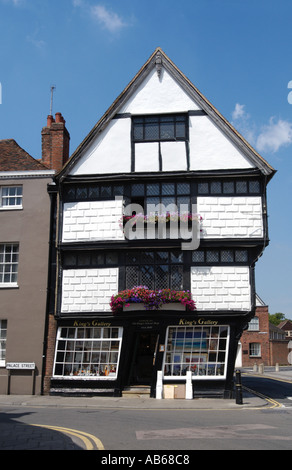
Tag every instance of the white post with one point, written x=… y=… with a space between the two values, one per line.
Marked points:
x=159 y=385
x=189 y=386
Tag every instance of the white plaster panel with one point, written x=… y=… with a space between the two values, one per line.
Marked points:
x=147 y=156
x=92 y=220
x=174 y=156
x=210 y=149
x=231 y=217
x=159 y=95
x=110 y=151
x=221 y=288
x=88 y=290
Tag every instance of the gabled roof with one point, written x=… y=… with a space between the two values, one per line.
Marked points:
x=14 y=158
x=160 y=60
x=285 y=325
x=260 y=302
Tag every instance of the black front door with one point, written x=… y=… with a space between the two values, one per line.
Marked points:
x=143 y=360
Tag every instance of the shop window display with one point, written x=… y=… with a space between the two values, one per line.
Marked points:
x=88 y=352
x=201 y=350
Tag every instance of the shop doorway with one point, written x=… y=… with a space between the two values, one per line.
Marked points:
x=143 y=359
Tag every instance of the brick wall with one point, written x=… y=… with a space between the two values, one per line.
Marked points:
x=279 y=352
x=221 y=287
x=92 y=220
x=55 y=143
x=272 y=351
x=260 y=336
x=231 y=217
x=88 y=290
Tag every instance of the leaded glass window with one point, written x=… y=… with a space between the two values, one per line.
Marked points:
x=160 y=128
x=155 y=269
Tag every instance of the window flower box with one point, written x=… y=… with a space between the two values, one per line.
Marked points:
x=142 y=298
x=167 y=217
x=171 y=225
x=134 y=307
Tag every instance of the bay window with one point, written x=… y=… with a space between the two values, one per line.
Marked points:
x=88 y=352
x=200 y=349
x=155 y=269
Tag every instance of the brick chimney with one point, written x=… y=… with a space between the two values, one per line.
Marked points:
x=55 y=143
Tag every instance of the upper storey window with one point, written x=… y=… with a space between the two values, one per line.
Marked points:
x=160 y=128
x=10 y=197
x=9 y=254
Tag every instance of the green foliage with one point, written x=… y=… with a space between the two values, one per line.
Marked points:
x=276 y=318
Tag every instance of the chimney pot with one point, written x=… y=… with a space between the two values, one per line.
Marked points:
x=59 y=118
x=55 y=143
x=50 y=120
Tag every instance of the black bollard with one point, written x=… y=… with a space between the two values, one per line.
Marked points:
x=238 y=388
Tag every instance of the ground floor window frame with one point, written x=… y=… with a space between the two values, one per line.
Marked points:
x=203 y=350
x=91 y=353
x=255 y=350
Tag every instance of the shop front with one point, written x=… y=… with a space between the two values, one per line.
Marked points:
x=110 y=355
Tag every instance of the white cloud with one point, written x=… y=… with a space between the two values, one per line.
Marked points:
x=78 y=3
x=107 y=18
x=266 y=138
x=15 y=3
x=241 y=121
x=274 y=135
x=38 y=43
x=238 y=111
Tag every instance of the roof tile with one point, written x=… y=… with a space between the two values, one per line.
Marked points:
x=14 y=158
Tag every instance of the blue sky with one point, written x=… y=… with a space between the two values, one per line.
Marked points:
x=237 y=52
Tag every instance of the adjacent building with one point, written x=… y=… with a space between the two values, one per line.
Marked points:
x=262 y=342
x=25 y=215
x=163 y=202
x=286 y=326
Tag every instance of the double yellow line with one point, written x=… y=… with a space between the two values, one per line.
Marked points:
x=91 y=442
x=274 y=403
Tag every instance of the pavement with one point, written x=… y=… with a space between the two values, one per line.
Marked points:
x=17 y=435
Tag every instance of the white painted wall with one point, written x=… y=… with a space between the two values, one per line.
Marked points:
x=174 y=156
x=88 y=290
x=221 y=287
x=110 y=152
x=146 y=157
x=92 y=220
x=159 y=95
x=231 y=217
x=210 y=149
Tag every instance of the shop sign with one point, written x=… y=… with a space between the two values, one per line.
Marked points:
x=146 y=324
x=20 y=365
x=92 y=323
x=198 y=321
